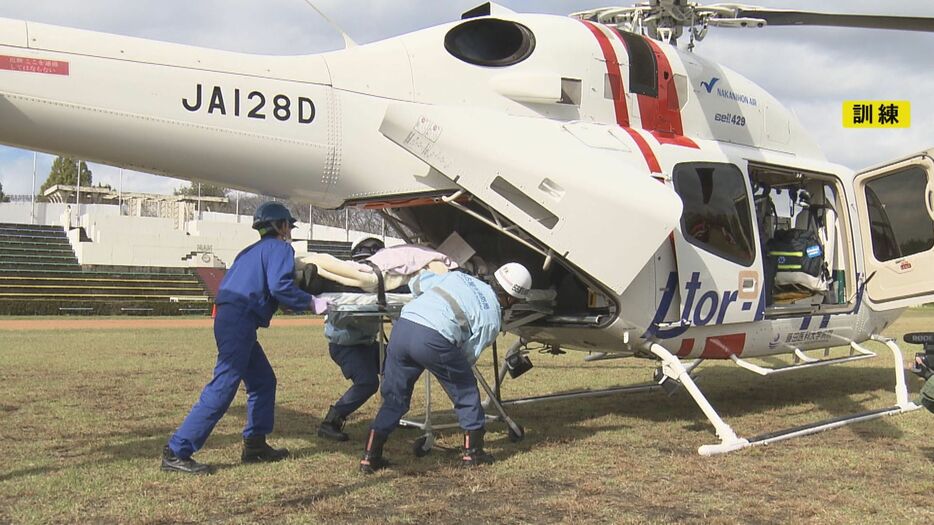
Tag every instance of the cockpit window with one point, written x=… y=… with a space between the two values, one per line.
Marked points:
x=716 y=213
x=490 y=42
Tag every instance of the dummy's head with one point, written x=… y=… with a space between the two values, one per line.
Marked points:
x=513 y=282
x=273 y=218
x=365 y=248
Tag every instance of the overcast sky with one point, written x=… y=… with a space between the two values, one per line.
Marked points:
x=811 y=70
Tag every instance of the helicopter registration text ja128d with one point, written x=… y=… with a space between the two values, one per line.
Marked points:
x=678 y=210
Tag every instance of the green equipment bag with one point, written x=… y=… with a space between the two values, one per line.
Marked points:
x=796 y=256
x=796 y=250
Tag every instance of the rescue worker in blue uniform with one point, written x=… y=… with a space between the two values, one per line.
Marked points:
x=444 y=329
x=353 y=347
x=257 y=283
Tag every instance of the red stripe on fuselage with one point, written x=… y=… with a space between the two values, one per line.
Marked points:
x=661 y=115
x=619 y=95
x=614 y=72
x=687 y=346
x=723 y=346
x=646 y=150
x=667 y=128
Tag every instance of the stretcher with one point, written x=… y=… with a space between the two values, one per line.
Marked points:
x=388 y=307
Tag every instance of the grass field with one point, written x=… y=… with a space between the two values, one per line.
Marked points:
x=84 y=415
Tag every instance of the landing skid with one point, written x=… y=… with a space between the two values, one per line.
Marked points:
x=857 y=353
x=729 y=441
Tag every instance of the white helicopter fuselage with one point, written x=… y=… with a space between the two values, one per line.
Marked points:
x=561 y=143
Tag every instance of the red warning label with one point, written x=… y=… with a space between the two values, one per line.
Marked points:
x=34 y=65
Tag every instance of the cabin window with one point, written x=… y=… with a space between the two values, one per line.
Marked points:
x=716 y=214
x=643 y=65
x=899 y=222
x=490 y=42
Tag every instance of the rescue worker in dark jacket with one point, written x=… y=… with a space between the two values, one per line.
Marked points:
x=451 y=320
x=353 y=347
x=257 y=283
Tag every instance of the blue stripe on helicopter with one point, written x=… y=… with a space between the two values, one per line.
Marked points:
x=806 y=321
x=710 y=309
x=716 y=307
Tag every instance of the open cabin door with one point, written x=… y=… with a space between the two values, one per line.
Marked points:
x=719 y=267
x=896 y=221
x=589 y=204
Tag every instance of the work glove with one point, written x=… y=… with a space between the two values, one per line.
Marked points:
x=318 y=305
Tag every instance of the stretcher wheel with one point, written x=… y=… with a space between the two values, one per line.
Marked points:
x=514 y=436
x=418 y=447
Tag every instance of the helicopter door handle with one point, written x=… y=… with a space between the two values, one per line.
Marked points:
x=929 y=200
x=749 y=284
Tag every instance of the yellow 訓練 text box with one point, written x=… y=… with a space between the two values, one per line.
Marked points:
x=877 y=114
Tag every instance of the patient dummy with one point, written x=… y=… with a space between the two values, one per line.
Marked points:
x=320 y=272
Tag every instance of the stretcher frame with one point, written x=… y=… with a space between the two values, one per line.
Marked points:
x=389 y=312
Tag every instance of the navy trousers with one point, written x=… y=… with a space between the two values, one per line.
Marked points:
x=413 y=348
x=360 y=364
x=239 y=357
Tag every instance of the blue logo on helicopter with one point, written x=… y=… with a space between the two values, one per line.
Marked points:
x=710 y=84
x=710 y=308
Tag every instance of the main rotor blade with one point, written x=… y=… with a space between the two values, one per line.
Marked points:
x=781 y=17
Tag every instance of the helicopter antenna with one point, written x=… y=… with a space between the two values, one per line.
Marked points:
x=348 y=42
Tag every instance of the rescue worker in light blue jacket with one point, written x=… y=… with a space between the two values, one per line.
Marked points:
x=444 y=329
x=257 y=283
x=353 y=347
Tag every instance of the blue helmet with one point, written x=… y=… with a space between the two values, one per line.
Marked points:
x=270 y=212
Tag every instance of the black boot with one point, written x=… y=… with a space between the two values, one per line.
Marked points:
x=373 y=453
x=173 y=463
x=256 y=450
x=473 y=449
x=332 y=426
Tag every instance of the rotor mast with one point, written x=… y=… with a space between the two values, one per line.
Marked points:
x=667 y=20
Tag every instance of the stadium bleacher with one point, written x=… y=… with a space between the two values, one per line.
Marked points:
x=40 y=275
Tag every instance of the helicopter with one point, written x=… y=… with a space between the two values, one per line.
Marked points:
x=677 y=210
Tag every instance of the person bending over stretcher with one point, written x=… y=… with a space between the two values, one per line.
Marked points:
x=451 y=320
x=353 y=347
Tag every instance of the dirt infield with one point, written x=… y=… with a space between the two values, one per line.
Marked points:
x=123 y=324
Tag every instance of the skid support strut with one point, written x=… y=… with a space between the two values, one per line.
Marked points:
x=729 y=441
x=673 y=369
x=579 y=394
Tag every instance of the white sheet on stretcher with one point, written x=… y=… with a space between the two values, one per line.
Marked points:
x=366 y=303
x=350 y=299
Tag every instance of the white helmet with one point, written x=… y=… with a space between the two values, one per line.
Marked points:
x=515 y=279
